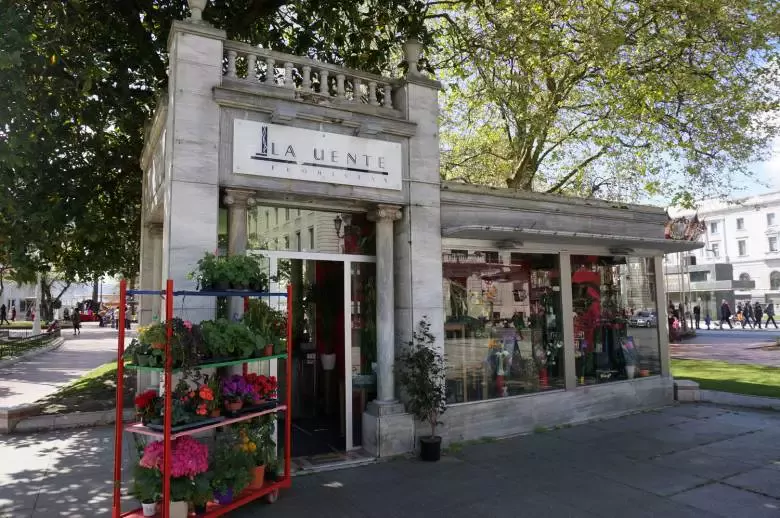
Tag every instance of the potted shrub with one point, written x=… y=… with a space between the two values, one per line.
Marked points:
x=422 y=376
x=211 y=273
x=228 y=340
x=267 y=323
x=154 y=335
x=147 y=484
x=232 y=470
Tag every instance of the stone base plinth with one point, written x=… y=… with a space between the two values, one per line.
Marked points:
x=686 y=391
x=387 y=429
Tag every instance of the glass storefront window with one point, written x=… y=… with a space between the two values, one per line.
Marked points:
x=615 y=318
x=503 y=328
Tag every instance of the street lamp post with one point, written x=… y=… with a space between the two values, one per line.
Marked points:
x=37 y=319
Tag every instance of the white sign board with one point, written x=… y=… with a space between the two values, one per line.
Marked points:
x=315 y=156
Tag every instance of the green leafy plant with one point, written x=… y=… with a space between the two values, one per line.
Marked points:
x=232 y=467
x=202 y=493
x=226 y=339
x=153 y=334
x=147 y=484
x=269 y=324
x=422 y=375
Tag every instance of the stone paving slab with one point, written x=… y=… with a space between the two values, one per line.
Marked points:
x=576 y=472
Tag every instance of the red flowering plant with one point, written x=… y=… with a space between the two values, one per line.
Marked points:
x=264 y=387
x=147 y=405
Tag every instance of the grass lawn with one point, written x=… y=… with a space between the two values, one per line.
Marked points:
x=753 y=380
x=19 y=325
x=95 y=390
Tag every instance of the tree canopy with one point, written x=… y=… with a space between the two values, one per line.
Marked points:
x=612 y=98
x=78 y=80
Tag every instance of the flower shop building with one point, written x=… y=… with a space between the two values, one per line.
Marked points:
x=549 y=309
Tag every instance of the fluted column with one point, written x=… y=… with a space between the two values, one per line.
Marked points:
x=385 y=216
x=237 y=201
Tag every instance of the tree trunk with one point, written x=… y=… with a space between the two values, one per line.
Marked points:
x=95 y=287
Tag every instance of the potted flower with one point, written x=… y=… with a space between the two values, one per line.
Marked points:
x=235 y=390
x=212 y=387
x=232 y=472
x=147 y=406
x=421 y=373
x=154 y=334
x=189 y=458
x=630 y=356
x=264 y=387
x=146 y=488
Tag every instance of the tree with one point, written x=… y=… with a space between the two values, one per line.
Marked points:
x=78 y=80
x=609 y=97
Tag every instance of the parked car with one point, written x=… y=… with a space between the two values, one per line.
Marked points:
x=643 y=319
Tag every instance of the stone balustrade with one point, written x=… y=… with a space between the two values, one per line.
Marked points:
x=308 y=79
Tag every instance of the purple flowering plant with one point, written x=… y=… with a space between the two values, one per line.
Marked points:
x=236 y=388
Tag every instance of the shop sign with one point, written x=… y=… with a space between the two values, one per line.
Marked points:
x=300 y=154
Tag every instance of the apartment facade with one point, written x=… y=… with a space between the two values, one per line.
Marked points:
x=744 y=233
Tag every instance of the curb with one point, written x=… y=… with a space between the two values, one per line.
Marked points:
x=26 y=356
x=21 y=419
x=740 y=400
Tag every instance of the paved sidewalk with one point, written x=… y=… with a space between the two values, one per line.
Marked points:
x=30 y=380
x=682 y=461
x=753 y=347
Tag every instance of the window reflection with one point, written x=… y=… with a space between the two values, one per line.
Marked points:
x=615 y=318
x=504 y=328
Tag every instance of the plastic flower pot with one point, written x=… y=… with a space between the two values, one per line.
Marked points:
x=328 y=361
x=258 y=477
x=149 y=508
x=224 y=497
x=430 y=448
x=143 y=360
x=178 y=509
x=234 y=406
x=630 y=371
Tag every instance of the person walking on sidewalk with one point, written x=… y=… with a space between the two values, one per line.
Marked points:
x=725 y=314
x=3 y=315
x=748 y=313
x=758 y=314
x=697 y=314
x=770 y=314
x=76 y=319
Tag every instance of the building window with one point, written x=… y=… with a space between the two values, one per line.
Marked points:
x=491 y=257
x=742 y=247
x=311 y=238
x=740 y=223
x=744 y=276
x=503 y=326
x=774 y=280
x=298 y=241
x=714 y=227
x=286 y=242
x=770 y=219
x=773 y=244
x=267 y=220
x=287 y=214
x=715 y=250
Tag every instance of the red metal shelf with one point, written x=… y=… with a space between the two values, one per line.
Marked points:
x=143 y=430
x=215 y=509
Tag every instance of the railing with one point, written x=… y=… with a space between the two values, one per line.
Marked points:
x=308 y=79
x=15 y=345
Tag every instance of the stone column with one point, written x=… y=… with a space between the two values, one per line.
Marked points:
x=662 y=325
x=237 y=201
x=567 y=313
x=384 y=216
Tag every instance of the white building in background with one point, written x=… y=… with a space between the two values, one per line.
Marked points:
x=744 y=233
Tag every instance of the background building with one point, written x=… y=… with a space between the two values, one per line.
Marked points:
x=742 y=233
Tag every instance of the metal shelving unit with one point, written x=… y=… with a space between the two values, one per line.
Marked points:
x=270 y=490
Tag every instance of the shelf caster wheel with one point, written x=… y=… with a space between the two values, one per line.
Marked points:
x=272 y=497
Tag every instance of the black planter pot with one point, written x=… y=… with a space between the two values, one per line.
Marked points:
x=430 y=448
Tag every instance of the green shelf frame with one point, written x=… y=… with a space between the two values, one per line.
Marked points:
x=209 y=365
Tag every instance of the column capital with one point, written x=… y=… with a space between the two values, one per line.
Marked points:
x=385 y=212
x=155 y=229
x=240 y=198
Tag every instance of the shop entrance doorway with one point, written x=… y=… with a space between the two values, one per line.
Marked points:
x=334 y=347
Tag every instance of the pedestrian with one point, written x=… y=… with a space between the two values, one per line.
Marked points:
x=748 y=313
x=770 y=314
x=697 y=314
x=708 y=320
x=13 y=313
x=758 y=314
x=127 y=317
x=3 y=315
x=725 y=314
x=76 y=319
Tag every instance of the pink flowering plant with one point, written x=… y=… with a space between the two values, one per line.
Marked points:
x=189 y=457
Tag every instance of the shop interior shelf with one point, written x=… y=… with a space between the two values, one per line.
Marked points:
x=244 y=498
x=143 y=430
x=210 y=365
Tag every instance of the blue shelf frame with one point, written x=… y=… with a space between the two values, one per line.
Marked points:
x=219 y=293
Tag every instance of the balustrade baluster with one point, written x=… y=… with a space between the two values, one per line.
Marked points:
x=372 y=94
x=270 y=73
x=357 y=90
x=231 y=69
x=324 y=86
x=288 y=75
x=387 y=91
x=340 y=86
x=306 y=84
x=251 y=68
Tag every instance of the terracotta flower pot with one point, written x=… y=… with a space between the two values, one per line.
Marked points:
x=258 y=477
x=234 y=406
x=216 y=412
x=269 y=350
